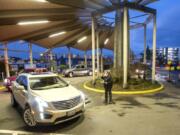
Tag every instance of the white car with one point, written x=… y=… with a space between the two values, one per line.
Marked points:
x=46 y=99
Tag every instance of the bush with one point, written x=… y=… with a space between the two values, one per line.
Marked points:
x=117 y=75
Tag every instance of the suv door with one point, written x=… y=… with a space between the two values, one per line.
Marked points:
x=21 y=95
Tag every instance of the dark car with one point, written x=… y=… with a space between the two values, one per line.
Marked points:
x=77 y=70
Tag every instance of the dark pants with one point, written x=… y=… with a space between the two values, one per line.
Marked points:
x=108 y=94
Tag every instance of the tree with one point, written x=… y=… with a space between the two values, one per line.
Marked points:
x=148 y=54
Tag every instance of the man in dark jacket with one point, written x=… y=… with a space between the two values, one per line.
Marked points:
x=108 y=83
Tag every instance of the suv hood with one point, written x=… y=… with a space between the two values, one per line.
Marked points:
x=57 y=94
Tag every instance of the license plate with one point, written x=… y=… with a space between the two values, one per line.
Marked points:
x=70 y=113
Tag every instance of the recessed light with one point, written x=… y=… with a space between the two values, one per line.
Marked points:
x=57 y=34
x=32 y=22
x=82 y=39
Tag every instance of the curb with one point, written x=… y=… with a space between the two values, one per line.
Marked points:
x=2 y=88
x=148 y=91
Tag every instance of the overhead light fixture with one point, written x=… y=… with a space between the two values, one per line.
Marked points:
x=57 y=34
x=106 y=41
x=82 y=39
x=41 y=0
x=32 y=22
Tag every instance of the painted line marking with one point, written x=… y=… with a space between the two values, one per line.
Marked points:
x=14 y=132
x=148 y=91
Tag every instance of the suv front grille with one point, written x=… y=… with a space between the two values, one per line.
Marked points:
x=67 y=104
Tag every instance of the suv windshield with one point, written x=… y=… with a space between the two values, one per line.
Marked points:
x=44 y=83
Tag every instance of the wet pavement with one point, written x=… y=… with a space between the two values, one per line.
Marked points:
x=153 y=114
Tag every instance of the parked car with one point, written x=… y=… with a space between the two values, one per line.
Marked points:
x=175 y=79
x=77 y=70
x=8 y=81
x=46 y=99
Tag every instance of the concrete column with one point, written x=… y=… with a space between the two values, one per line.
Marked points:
x=6 y=62
x=115 y=44
x=154 y=49
x=93 y=47
x=145 y=46
x=30 y=54
x=125 y=47
x=85 y=58
x=102 y=64
x=97 y=54
x=69 y=57
x=118 y=39
x=51 y=60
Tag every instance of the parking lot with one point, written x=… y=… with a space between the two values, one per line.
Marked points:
x=155 y=114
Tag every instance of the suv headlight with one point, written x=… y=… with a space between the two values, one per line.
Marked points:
x=41 y=104
x=83 y=97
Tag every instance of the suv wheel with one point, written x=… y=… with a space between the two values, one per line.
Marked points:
x=13 y=101
x=71 y=74
x=29 y=118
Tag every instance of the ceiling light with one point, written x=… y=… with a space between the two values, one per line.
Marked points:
x=41 y=0
x=32 y=22
x=82 y=39
x=106 y=41
x=57 y=34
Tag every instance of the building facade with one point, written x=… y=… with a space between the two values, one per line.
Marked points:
x=168 y=54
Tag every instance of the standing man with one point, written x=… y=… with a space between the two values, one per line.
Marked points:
x=108 y=83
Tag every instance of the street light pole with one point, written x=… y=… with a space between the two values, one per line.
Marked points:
x=154 y=49
x=30 y=54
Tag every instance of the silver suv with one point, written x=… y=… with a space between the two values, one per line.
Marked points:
x=46 y=99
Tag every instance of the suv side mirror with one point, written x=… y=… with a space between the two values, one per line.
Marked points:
x=19 y=87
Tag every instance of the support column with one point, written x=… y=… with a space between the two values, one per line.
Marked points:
x=125 y=47
x=118 y=40
x=154 y=49
x=30 y=54
x=145 y=46
x=93 y=47
x=85 y=58
x=97 y=54
x=51 y=61
x=6 y=62
x=69 y=57
x=102 y=65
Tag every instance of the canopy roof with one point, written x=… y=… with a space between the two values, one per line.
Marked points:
x=72 y=18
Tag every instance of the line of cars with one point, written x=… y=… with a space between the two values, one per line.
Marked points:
x=45 y=98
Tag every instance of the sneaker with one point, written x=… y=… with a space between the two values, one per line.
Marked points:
x=111 y=102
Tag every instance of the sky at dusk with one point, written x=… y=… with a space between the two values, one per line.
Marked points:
x=168 y=32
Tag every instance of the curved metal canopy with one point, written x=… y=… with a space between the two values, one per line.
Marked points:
x=70 y=20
